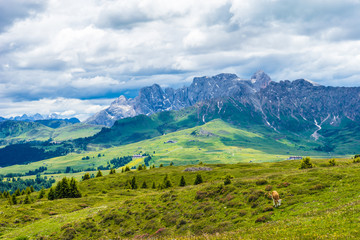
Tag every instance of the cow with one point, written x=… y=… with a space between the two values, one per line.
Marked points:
x=276 y=198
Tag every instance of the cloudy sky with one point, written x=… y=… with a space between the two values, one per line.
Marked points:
x=74 y=56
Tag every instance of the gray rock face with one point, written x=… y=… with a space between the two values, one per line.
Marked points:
x=279 y=103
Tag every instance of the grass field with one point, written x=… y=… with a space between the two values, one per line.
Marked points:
x=318 y=203
x=214 y=142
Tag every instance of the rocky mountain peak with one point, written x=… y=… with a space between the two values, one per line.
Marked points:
x=260 y=80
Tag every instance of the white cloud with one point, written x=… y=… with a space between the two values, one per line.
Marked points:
x=65 y=49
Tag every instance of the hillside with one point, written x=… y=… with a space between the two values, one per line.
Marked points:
x=42 y=130
x=213 y=142
x=317 y=203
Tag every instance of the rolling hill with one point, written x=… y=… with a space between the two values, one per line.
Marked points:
x=321 y=202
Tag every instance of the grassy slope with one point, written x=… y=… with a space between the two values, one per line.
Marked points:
x=321 y=203
x=214 y=142
x=35 y=131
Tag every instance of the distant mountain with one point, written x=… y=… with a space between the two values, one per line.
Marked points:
x=12 y=131
x=154 y=99
x=35 y=117
x=300 y=107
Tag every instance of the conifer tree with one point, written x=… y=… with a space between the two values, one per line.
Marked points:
x=41 y=193
x=27 y=190
x=144 y=167
x=182 y=182
x=171 y=164
x=133 y=183
x=51 y=194
x=127 y=169
x=99 y=174
x=112 y=171
x=32 y=188
x=167 y=183
x=86 y=176
x=128 y=184
x=23 y=192
x=17 y=192
x=198 y=179
x=122 y=170
x=13 y=199
x=74 y=191
x=10 y=200
x=153 y=186
x=144 y=185
x=161 y=165
x=27 y=199
x=140 y=167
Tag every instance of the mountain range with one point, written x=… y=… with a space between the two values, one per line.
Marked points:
x=37 y=117
x=298 y=105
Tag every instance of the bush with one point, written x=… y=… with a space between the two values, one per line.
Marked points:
x=356 y=160
x=86 y=176
x=332 y=162
x=261 y=182
x=306 y=163
x=227 y=180
x=262 y=219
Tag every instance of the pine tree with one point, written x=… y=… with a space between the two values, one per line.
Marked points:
x=127 y=169
x=112 y=171
x=167 y=183
x=41 y=193
x=17 y=192
x=153 y=186
x=128 y=184
x=13 y=199
x=171 y=164
x=198 y=179
x=161 y=165
x=99 y=174
x=10 y=200
x=23 y=192
x=32 y=188
x=74 y=191
x=27 y=199
x=133 y=183
x=182 y=182
x=86 y=176
x=140 y=167
x=144 y=167
x=144 y=185
x=122 y=170
x=27 y=190
x=51 y=194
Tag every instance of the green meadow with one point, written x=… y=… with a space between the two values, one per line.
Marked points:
x=213 y=142
x=317 y=203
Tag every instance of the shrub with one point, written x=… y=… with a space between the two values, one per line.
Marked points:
x=332 y=162
x=112 y=171
x=198 y=179
x=27 y=199
x=262 y=219
x=356 y=160
x=227 y=180
x=317 y=187
x=261 y=182
x=268 y=209
x=86 y=176
x=306 y=163
x=133 y=183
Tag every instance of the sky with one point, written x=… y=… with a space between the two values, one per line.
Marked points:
x=73 y=57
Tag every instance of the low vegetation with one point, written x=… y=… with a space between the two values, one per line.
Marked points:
x=230 y=202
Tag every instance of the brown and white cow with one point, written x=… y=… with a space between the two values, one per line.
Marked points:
x=276 y=198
